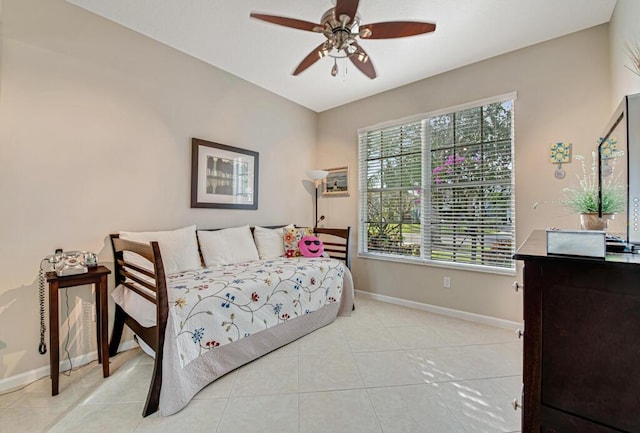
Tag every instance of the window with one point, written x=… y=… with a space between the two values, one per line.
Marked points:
x=439 y=188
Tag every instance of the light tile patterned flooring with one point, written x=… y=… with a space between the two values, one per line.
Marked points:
x=385 y=368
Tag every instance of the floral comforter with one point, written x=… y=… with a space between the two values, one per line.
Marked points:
x=216 y=306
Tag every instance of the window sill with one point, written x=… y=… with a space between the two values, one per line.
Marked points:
x=436 y=264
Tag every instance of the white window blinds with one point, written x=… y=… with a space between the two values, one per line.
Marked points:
x=391 y=159
x=440 y=188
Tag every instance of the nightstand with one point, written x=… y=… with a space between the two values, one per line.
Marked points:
x=98 y=277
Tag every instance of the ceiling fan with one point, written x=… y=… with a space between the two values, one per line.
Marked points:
x=341 y=26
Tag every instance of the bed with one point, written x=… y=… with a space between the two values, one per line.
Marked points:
x=204 y=323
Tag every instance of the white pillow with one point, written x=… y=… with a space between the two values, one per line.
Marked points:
x=227 y=246
x=269 y=242
x=179 y=248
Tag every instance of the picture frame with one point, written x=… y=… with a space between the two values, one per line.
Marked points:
x=337 y=182
x=223 y=177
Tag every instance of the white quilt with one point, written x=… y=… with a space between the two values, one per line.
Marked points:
x=217 y=306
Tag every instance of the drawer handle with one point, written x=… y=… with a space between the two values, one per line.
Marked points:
x=515 y=404
x=519 y=333
x=517 y=286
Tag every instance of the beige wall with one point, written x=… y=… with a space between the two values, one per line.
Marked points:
x=95 y=136
x=563 y=95
x=623 y=30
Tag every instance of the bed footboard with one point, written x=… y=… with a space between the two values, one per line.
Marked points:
x=151 y=285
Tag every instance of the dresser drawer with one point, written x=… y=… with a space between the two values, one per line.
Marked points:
x=554 y=421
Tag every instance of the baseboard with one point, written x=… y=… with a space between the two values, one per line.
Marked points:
x=472 y=317
x=28 y=377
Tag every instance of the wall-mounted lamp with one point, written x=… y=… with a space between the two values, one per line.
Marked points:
x=560 y=154
x=317 y=176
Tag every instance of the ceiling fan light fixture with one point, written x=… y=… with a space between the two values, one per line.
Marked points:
x=334 y=69
x=364 y=33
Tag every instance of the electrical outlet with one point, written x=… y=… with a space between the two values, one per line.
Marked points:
x=446 y=283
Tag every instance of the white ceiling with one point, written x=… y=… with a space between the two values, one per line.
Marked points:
x=221 y=33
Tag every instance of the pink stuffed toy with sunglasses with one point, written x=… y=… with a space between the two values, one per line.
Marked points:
x=311 y=246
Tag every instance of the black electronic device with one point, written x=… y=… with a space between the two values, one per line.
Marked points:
x=620 y=145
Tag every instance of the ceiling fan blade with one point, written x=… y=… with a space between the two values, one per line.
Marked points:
x=346 y=7
x=395 y=29
x=288 y=22
x=364 y=64
x=311 y=58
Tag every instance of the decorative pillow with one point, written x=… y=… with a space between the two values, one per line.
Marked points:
x=270 y=242
x=179 y=249
x=311 y=246
x=227 y=246
x=292 y=236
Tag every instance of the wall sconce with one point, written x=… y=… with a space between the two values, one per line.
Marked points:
x=560 y=154
x=318 y=176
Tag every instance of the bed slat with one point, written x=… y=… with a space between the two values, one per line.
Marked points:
x=145 y=295
x=136 y=268
x=137 y=279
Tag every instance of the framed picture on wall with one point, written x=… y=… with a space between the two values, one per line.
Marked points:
x=223 y=176
x=337 y=182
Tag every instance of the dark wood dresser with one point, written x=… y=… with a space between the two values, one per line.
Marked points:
x=581 y=368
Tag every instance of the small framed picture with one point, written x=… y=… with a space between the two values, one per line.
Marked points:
x=337 y=182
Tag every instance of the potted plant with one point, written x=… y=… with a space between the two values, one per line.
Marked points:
x=583 y=198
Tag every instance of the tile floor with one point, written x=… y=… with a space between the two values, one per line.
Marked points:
x=384 y=369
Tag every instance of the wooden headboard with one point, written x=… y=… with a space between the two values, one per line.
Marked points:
x=336 y=243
